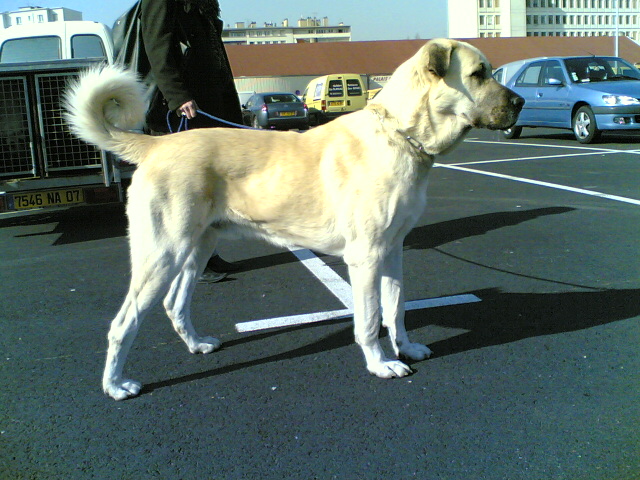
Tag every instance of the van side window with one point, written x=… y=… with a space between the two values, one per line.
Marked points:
x=317 y=95
x=336 y=88
x=31 y=49
x=87 y=46
x=354 y=89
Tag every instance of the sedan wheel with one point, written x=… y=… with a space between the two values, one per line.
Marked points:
x=512 y=133
x=584 y=126
x=255 y=124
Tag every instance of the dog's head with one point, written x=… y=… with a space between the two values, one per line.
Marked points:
x=444 y=90
x=459 y=81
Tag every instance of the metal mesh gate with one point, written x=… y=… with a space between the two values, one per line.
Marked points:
x=16 y=155
x=61 y=150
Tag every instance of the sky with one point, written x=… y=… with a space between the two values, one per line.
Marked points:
x=369 y=20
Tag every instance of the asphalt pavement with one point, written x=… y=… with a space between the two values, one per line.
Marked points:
x=534 y=373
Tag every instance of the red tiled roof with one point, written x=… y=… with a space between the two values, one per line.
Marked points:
x=383 y=57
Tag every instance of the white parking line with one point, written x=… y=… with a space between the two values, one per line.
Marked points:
x=308 y=318
x=334 y=282
x=544 y=184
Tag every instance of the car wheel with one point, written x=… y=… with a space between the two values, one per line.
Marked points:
x=584 y=126
x=512 y=133
x=255 y=124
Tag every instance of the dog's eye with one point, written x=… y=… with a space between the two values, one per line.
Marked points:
x=479 y=73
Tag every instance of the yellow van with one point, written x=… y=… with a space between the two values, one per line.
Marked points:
x=330 y=96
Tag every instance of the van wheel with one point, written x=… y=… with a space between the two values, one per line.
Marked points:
x=512 y=133
x=584 y=125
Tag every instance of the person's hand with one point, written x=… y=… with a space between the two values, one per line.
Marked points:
x=188 y=109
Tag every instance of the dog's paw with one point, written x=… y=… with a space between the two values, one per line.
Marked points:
x=122 y=390
x=205 y=345
x=415 y=351
x=389 y=369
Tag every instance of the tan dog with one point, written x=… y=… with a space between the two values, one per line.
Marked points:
x=354 y=187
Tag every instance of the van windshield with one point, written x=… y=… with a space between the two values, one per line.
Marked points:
x=31 y=49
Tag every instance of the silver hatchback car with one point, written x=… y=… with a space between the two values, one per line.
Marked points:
x=588 y=95
x=276 y=110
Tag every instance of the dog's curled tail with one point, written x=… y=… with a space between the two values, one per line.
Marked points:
x=103 y=104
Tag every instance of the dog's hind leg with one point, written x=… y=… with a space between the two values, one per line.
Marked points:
x=365 y=282
x=393 y=308
x=177 y=302
x=150 y=279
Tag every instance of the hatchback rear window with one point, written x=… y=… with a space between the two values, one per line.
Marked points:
x=281 y=98
x=336 y=89
x=354 y=89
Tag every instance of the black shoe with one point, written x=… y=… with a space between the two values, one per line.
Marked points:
x=209 y=276
x=219 y=265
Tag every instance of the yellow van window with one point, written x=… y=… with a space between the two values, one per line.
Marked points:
x=335 y=88
x=354 y=89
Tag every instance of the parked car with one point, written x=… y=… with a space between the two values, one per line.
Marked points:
x=333 y=95
x=588 y=95
x=276 y=110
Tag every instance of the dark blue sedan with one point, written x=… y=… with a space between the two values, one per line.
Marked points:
x=276 y=110
x=585 y=94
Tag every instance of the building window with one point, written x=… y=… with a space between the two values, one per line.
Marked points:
x=40 y=18
x=19 y=21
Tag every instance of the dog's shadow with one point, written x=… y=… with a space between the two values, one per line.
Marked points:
x=500 y=318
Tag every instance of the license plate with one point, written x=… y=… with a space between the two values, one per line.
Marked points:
x=287 y=114
x=51 y=198
x=335 y=104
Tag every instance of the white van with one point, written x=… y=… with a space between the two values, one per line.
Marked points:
x=330 y=96
x=55 y=41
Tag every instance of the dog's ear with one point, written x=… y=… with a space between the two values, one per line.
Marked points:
x=439 y=57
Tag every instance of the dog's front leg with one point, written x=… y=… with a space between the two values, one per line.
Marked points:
x=393 y=308
x=365 y=282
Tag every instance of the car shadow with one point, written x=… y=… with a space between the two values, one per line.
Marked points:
x=78 y=224
x=500 y=318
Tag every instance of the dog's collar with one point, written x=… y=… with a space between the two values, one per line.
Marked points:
x=416 y=145
x=382 y=114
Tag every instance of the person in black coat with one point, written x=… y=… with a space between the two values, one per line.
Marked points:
x=183 y=43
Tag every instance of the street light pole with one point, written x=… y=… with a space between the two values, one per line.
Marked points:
x=617 y=26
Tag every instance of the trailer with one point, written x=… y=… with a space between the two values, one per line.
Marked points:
x=42 y=165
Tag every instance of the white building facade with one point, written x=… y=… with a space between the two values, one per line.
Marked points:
x=533 y=18
x=28 y=15
x=308 y=30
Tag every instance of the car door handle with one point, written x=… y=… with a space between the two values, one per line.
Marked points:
x=539 y=95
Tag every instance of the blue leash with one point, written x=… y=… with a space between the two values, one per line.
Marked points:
x=184 y=122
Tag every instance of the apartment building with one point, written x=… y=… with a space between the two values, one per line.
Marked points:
x=307 y=30
x=543 y=18
x=27 y=15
